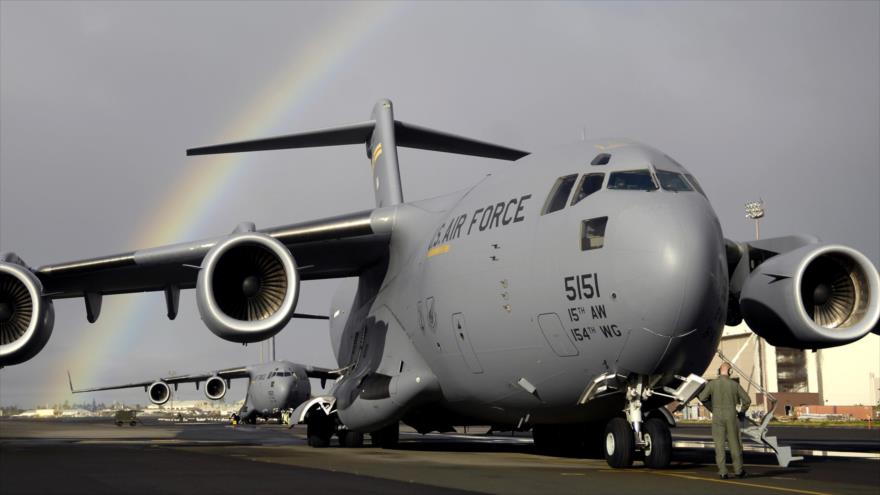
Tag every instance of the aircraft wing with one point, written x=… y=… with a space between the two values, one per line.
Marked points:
x=229 y=374
x=323 y=373
x=332 y=247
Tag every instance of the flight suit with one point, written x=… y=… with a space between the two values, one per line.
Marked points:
x=724 y=394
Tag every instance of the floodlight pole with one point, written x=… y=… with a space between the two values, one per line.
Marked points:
x=755 y=211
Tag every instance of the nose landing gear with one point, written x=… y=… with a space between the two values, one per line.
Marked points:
x=625 y=436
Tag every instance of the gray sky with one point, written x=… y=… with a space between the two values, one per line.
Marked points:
x=98 y=102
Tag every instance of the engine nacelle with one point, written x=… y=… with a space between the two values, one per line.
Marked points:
x=813 y=297
x=159 y=393
x=215 y=388
x=26 y=317
x=247 y=288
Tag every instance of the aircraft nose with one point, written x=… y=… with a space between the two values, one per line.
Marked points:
x=670 y=274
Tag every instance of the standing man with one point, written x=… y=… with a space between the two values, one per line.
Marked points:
x=721 y=396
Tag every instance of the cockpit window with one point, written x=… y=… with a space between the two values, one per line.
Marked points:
x=672 y=181
x=632 y=180
x=696 y=184
x=559 y=194
x=593 y=233
x=601 y=159
x=589 y=184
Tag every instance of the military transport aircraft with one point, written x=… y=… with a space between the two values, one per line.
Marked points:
x=273 y=388
x=574 y=293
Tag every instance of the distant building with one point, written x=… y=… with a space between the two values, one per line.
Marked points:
x=841 y=376
x=75 y=413
x=37 y=413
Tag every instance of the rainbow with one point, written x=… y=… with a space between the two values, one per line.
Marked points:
x=195 y=194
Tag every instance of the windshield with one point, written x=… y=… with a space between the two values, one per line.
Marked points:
x=671 y=181
x=695 y=184
x=632 y=180
x=590 y=183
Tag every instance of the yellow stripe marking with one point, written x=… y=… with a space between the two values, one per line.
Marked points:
x=442 y=249
x=742 y=483
x=376 y=154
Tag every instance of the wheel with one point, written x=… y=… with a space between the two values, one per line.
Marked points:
x=119 y=423
x=387 y=437
x=348 y=438
x=619 y=443
x=132 y=423
x=658 y=444
x=319 y=429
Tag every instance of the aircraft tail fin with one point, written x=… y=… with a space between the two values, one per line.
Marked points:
x=382 y=135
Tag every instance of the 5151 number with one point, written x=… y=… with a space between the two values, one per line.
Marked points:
x=584 y=286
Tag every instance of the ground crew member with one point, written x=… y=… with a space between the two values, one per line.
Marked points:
x=723 y=394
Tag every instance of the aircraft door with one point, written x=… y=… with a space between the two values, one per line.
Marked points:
x=462 y=339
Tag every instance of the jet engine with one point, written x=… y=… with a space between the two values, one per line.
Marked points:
x=159 y=393
x=26 y=317
x=813 y=297
x=247 y=287
x=215 y=388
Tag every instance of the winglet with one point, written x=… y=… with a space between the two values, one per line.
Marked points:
x=70 y=382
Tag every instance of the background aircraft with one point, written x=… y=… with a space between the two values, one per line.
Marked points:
x=582 y=281
x=273 y=388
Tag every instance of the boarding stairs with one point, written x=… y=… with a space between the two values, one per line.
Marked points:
x=756 y=431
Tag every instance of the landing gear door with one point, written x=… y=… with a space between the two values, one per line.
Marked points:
x=460 y=333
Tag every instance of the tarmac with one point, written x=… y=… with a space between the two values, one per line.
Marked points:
x=95 y=456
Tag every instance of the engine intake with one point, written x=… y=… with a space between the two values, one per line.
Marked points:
x=26 y=317
x=247 y=288
x=814 y=297
x=159 y=393
x=215 y=388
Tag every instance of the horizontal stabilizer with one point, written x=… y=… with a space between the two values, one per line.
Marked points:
x=408 y=135
x=347 y=134
x=413 y=136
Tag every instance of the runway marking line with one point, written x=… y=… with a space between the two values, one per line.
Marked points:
x=742 y=483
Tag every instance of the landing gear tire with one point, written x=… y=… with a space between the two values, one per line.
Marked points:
x=319 y=430
x=619 y=443
x=658 y=444
x=348 y=438
x=386 y=438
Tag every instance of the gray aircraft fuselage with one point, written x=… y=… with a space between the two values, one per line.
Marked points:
x=275 y=387
x=510 y=315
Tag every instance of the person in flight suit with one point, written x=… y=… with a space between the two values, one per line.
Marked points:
x=724 y=393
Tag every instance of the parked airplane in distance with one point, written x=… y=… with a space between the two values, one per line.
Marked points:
x=273 y=388
x=575 y=293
